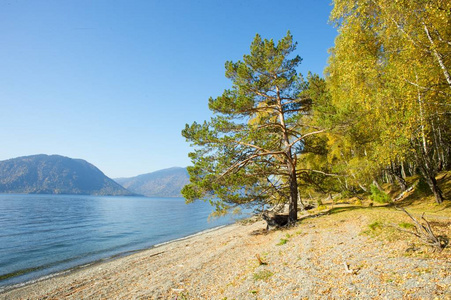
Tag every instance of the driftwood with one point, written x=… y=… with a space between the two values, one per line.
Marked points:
x=424 y=232
x=349 y=270
x=274 y=220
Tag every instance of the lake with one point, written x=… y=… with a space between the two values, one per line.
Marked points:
x=45 y=234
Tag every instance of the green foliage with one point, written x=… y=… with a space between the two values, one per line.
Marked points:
x=379 y=196
x=282 y=242
x=346 y=194
x=383 y=111
x=390 y=85
x=247 y=152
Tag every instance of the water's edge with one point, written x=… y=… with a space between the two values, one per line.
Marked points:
x=7 y=288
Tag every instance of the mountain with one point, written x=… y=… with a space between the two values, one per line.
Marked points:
x=162 y=183
x=55 y=174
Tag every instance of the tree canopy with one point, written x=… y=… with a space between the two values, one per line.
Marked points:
x=247 y=152
x=390 y=69
x=382 y=112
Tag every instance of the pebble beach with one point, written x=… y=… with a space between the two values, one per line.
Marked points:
x=242 y=261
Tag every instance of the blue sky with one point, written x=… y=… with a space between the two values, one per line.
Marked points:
x=115 y=81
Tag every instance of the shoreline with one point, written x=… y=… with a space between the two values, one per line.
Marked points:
x=64 y=282
x=12 y=287
x=244 y=262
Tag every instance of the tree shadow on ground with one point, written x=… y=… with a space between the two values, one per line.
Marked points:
x=340 y=209
x=445 y=185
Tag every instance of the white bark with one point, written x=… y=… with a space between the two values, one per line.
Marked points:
x=438 y=56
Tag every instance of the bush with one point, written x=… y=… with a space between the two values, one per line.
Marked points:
x=379 y=196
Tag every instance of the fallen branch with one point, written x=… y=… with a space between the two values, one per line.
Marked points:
x=424 y=232
x=400 y=196
x=349 y=270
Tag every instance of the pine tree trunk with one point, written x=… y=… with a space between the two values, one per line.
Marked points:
x=293 y=205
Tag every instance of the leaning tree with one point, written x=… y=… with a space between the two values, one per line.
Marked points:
x=247 y=152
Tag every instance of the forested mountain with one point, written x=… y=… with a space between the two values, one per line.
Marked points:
x=54 y=174
x=162 y=183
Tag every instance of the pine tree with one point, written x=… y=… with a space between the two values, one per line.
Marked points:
x=247 y=152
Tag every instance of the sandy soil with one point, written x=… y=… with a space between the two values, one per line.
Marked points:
x=311 y=260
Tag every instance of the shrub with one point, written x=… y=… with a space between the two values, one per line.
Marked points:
x=379 y=196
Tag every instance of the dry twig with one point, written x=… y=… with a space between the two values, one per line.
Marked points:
x=424 y=232
x=260 y=261
x=349 y=270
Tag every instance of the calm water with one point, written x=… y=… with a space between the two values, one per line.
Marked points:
x=44 y=234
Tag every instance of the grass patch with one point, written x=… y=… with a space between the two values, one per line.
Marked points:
x=263 y=275
x=375 y=225
x=375 y=229
x=383 y=222
x=406 y=225
x=183 y=296
x=321 y=207
x=282 y=242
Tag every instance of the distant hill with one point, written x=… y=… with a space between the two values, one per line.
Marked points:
x=55 y=174
x=162 y=183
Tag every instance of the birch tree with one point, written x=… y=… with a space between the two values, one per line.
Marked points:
x=391 y=63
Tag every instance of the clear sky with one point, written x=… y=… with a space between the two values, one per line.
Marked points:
x=115 y=81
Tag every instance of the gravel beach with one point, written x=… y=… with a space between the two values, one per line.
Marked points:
x=327 y=260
